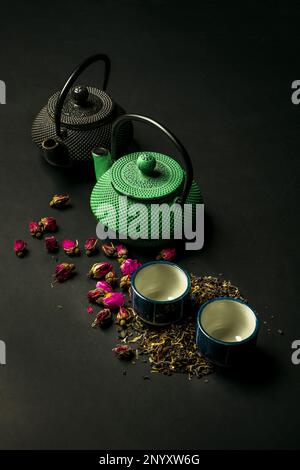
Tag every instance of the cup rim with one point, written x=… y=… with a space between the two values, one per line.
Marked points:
x=227 y=343
x=133 y=286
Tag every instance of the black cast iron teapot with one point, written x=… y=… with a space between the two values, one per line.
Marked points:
x=77 y=119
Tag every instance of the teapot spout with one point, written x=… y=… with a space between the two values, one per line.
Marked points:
x=102 y=161
x=55 y=152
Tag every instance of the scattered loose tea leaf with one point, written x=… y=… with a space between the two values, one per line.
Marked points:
x=172 y=349
x=59 y=200
x=124 y=352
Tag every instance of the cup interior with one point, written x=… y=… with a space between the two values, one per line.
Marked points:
x=161 y=282
x=227 y=320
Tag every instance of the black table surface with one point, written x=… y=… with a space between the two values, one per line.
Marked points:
x=220 y=79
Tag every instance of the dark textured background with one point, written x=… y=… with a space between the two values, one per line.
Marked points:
x=221 y=80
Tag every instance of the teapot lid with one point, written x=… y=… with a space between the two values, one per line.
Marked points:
x=83 y=106
x=146 y=175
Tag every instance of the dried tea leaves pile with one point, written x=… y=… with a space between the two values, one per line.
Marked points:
x=172 y=349
x=208 y=287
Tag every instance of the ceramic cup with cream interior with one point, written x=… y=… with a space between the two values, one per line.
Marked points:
x=227 y=330
x=159 y=290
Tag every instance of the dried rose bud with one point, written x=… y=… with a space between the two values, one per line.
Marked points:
x=20 y=248
x=63 y=271
x=70 y=247
x=129 y=266
x=125 y=282
x=111 y=278
x=124 y=351
x=48 y=224
x=35 y=229
x=123 y=316
x=104 y=285
x=167 y=254
x=121 y=251
x=103 y=318
x=99 y=270
x=89 y=310
x=121 y=260
x=113 y=300
x=108 y=249
x=59 y=200
x=51 y=244
x=90 y=246
x=94 y=294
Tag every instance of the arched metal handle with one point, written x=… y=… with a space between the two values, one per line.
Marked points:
x=185 y=156
x=72 y=78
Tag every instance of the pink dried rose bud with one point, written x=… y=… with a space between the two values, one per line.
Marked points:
x=121 y=251
x=20 y=248
x=125 y=282
x=124 y=351
x=51 y=244
x=63 y=271
x=48 y=224
x=167 y=254
x=59 y=200
x=108 y=249
x=99 y=270
x=103 y=318
x=35 y=229
x=123 y=316
x=113 y=300
x=111 y=278
x=90 y=246
x=90 y=310
x=94 y=294
x=129 y=266
x=70 y=247
x=104 y=285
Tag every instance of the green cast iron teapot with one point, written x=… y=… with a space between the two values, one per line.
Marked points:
x=133 y=191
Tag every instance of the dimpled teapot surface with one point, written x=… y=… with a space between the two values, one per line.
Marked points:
x=144 y=179
x=77 y=119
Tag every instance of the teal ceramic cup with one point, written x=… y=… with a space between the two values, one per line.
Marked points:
x=226 y=330
x=159 y=292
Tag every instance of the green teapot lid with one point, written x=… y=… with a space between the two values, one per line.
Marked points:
x=146 y=175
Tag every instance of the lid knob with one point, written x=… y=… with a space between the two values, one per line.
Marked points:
x=146 y=163
x=80 y=95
